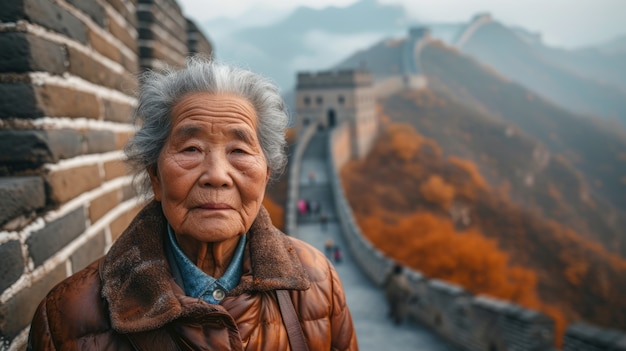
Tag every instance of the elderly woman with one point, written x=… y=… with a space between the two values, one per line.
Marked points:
x=202 y=267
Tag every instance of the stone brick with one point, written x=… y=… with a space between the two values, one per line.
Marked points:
x=25 y=94
x=116 y=111
x=36 y=147
x=131 y=63
x=103 y=204
x=47 y=241
x=197 y=43
x=104 y=46
x=114 y=169
x=88 y=252
x=51 y=16
x=30 y=53
x=122 y=138
x=93 y=9
x=11 y=263
x=119 y=224
x=127 y=35
x=17 y=313
x=68 y=183
x=20 y=196
x=57 y=101
x=127 y=9
x=99 y=141
x=93 y=70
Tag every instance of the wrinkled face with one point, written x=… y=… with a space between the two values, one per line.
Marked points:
x=211 y=173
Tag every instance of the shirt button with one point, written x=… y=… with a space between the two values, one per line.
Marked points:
x=218 y=294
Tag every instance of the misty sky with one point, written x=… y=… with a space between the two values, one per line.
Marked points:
x=565 y=23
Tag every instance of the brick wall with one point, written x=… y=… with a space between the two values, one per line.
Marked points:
x=68 y=75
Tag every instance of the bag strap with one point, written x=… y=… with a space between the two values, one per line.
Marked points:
x=290 y=319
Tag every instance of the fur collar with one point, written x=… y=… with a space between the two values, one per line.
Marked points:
x=141 y=292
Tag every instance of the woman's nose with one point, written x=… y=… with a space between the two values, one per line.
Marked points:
x=215 y=171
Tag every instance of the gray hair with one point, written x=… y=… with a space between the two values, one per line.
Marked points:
x=160 y=91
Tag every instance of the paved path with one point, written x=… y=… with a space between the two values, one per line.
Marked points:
x=366 y=301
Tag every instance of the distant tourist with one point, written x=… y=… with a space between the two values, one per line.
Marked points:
x=302 y=207
x=329 y=246
x=337 y=254
x=398 y=293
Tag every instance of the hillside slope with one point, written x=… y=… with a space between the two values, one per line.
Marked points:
x=593 y=147
x=517 y=166
x=587 y=82
x=436 y=213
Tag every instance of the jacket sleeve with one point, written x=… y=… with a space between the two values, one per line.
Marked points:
x=342 y=328
x=39 y=337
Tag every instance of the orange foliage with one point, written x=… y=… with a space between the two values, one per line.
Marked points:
x=437 y=191
x=276 y=212
x=471 y=169
x=404 y=141
x=431 y=245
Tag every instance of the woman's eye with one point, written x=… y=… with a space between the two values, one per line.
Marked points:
x=238 y=151
x=191 y=149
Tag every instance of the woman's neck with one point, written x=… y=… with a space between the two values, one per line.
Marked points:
x=212 y=258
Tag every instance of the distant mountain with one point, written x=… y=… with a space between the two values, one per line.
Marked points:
x=583 y=81
x=593 y=146
x=617 y=45
x=308 y=39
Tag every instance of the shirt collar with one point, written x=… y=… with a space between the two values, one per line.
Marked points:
x=198 y=284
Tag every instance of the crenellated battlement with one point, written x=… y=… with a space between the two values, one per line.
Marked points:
x=328 y=79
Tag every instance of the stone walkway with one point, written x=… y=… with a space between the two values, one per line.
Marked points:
x=366 y=301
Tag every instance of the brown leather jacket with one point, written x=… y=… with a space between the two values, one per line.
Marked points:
x=128 y=300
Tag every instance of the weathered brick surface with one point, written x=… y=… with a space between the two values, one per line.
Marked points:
x=91 y=250
x=57 y=101
x=103 y=204
x=122 y=138
x=114 y=169
x=156 y=49
x=99 y=141
x=124 y=33
x=197 y=43
x=47 y=241
x=38 y=146
x=25 y=94
x=103 y=46
x=17 y=313
x=91 y=8
x=119 y=224
x=68 y=183
x=30 y=53
x=20 y=196
x=11 y=263
x=126 y=8
x=94 y=71
x=116 y=111
x=131 y=63
x=51 y=16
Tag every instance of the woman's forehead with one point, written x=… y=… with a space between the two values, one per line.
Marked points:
x=214 y=108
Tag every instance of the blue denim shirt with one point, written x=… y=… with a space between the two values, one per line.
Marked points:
x=194 y=281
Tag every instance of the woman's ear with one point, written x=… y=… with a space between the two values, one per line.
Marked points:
x=267 y=175
x=155 y=181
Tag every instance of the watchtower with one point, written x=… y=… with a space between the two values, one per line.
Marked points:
x=331 y=98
